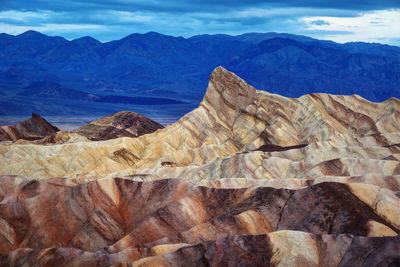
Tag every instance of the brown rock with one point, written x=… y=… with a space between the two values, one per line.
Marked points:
x=117 y=220
x=60 y=137
x=262 y=180
x=345 y=136
x=31 y=129
x=124 y=123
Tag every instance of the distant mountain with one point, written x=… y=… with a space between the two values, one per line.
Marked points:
x=55 y=90
x=248 y=178
x=295 y=68
x=27 y=45
x=138 y=100
x=153 y=65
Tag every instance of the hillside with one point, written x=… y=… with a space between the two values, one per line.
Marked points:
x=248 y=177
x=124 y=123
x=34 y=128
x=153 y=66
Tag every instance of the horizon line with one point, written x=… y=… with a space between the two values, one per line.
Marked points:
x=186 y=38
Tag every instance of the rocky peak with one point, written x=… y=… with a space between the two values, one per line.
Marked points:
x=227 y=91
x=34 y=128
x=261 y=180
x=230 y=87
x=123 y=123
x=36 y=116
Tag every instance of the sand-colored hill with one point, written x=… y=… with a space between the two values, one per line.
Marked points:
x=260 y=180
x=233 y=120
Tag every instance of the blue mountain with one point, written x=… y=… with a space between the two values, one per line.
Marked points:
x=36 y=68
x=286 y=66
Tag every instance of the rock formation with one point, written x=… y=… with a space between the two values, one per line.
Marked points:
x=124 y=123
x=170 y=222
x=31 y=129
x=60 y=137
x=335 y=135
x=257 y=180
x=121 y=124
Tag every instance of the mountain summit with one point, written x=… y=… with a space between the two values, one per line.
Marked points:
x=248 y=178
x=31 y=129
x=234 y=117
x=160 y=66
x=123 y=123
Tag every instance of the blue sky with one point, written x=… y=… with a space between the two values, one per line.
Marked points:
x=338 y=20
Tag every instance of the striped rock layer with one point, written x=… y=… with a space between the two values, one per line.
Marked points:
x=123 y=123
x=235 y=118
x=31 y=129
x=171 y=222
x=248 y=178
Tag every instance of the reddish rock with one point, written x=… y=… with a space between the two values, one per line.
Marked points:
x=311 y=181
x=31 y=129
x=110 y=221
x=121 y=124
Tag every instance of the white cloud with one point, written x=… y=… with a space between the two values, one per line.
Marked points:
x=15 y=29
x=333 y=24
x=376 y=26
x=25 y=16
x=266 y=12
x=39 y=20
x=123 y=16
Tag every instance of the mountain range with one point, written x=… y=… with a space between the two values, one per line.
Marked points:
x=160 y=75
x=248 y=178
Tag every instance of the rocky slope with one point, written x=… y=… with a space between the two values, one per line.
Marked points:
x=121 y=124
x=260 y=180
x=171 y=222
x=124 y=123
x=336 y=135
x=31 y=129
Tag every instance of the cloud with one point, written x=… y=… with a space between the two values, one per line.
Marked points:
x=319 y=22
x=47 y=28
x=176 y=6
x=113 y=19
x=23 y=15
x=376 y=26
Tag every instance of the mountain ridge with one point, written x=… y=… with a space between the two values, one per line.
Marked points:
x=156 y=65
x=248 y=177
x=242 y=119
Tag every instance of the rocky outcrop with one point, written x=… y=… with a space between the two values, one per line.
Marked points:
x=60 y=137
x=260 y=180
x=121 y=124
x=286 y=248
x=31 y=129
x=328 y=135
x=120 y=221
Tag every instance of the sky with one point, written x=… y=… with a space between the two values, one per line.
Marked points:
x=106 y=20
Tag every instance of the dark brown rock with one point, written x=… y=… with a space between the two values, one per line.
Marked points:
x=332 y=202
x=31 y=129
x=121 y=124
x=119 y=214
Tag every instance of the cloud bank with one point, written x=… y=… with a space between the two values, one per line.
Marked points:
x=340 y=21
